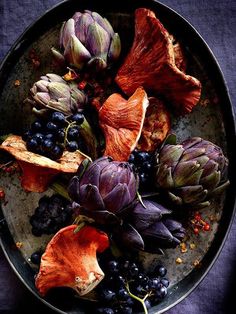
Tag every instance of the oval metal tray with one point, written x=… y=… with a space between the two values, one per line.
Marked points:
x=214 y=122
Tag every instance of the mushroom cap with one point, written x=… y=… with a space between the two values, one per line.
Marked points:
x=38 y=171
x=156 y=125
x=122 y=121
x=70 y=260
x=151 y=63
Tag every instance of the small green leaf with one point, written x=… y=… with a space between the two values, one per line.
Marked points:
x=83 y=167
x=60 y=189
x=170 y=139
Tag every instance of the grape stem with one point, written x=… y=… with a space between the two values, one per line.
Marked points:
x=67 y=129
x=142 y=301
x=86 y=156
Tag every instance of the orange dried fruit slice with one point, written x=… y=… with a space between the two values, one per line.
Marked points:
x=38 y=171
x=156 y=126
x=122 y=121
x=151 y=63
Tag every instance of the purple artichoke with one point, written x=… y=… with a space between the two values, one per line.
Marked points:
x=192 y=173
x=104 y=189
x=88 y=38
x=53 y=92
x=147 y=228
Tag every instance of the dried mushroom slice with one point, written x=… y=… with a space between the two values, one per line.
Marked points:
x=156 y=125
x=122 y=121
x=38 y=171
x=70 y=260
x=151 y=63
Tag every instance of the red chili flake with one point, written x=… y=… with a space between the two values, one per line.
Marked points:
x=82 y=85
x=2 y=193
x=197 y=216
x=199 y=224
x=206 y=227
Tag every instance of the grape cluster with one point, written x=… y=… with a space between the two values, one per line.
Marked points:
x=50 y=136
x=125 y=279
x=143 y=163
x=51 y=215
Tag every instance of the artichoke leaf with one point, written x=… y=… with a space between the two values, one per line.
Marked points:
x=211 y=181
x=115 y=47
x=171 y=154
x=102 y=217
x=192 y=194
x=130 y=237
x=90 y=197
x=89 y=139
x=183 y=171
x=195 y=152
x=164 y=177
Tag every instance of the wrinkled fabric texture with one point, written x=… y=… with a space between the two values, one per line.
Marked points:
x=216 y=22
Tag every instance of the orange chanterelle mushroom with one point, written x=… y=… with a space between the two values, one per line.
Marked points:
x=122 y=121
x=156 y=126
x=70 y=260
x=156 y=63
x=38 y=171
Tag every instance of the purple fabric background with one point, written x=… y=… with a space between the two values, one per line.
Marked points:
x=216 y=22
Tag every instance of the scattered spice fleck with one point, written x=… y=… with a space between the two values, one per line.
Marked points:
x=192 y=246
x=82 y=85
x=17 y=83
x=183 y=247
x=206 y=227
x=2 y=193
x=34 y=58
x=70 y=76
x=199 y=224
x=179 y=260
x=197 y=263
x=19 y=245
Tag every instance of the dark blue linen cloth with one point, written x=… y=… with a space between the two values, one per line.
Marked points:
x=216 y=22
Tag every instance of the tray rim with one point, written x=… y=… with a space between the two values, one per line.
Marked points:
x=17 y=47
